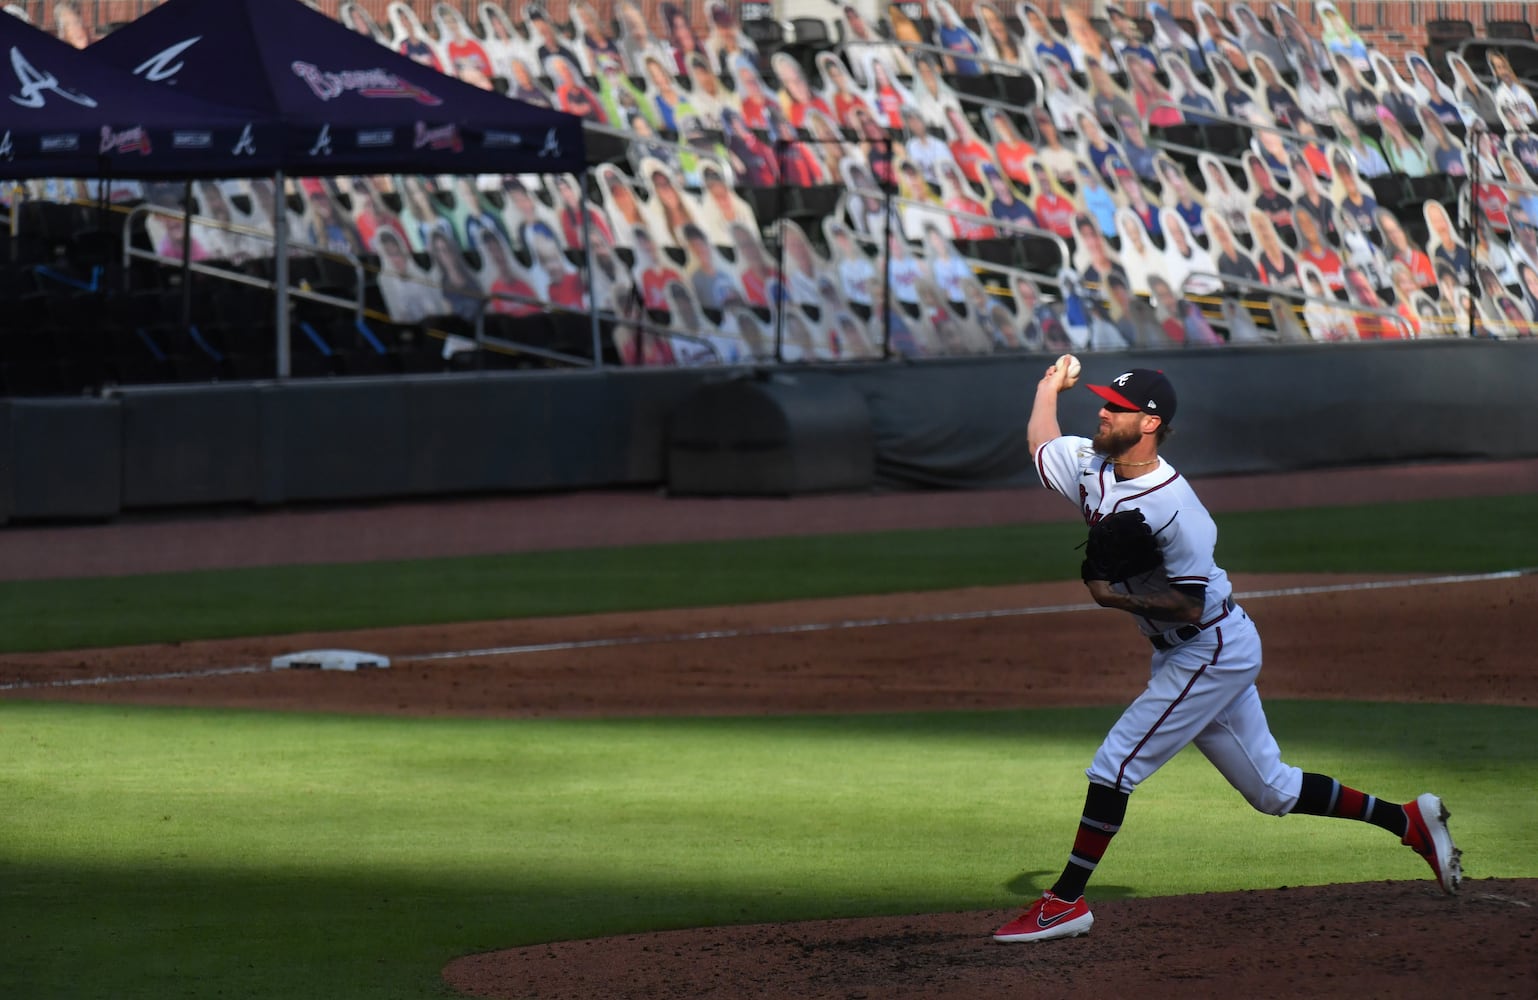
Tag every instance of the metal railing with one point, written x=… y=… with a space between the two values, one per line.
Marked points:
x=131 y=252
x=1268 y=292
x=1038 y=87
x=1013 y=69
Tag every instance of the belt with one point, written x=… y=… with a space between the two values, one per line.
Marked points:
x=1163 y=641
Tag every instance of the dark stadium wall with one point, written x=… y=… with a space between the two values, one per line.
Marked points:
x=945 y=424
x=1272 y=409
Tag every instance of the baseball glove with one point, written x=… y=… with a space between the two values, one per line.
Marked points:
x=1120 y=546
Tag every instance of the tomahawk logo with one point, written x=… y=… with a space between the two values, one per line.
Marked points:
x=322 y=145
x=552 y=145
x=158 y=68
x=246 y=144
x=35 y=84
x=442 y=137
x=134 y=140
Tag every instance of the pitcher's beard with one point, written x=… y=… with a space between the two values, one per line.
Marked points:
x=1114 y=443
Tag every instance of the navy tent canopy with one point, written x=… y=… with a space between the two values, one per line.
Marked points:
x=347 y=105
x=65 y=114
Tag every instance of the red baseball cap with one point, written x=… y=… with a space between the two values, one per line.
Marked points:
x=1140 y=389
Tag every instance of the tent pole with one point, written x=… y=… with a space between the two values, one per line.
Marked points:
x=187 y=256
x=280 y=270
x=783 y=302
x=886 y=259
x=587 y=267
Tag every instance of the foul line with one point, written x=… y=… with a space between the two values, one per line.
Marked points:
x=174 y=675
x=772 y=630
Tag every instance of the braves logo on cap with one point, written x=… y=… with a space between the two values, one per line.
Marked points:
x=1144 y=389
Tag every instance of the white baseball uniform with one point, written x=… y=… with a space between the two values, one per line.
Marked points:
x=1202 y=683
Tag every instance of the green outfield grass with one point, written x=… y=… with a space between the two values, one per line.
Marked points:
x=180 y=853
x=1451 y=535
x=160 y=853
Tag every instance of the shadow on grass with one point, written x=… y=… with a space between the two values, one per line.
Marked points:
x=160 y=927
x=166 y=933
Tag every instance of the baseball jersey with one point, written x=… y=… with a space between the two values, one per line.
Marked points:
x=1185 y=531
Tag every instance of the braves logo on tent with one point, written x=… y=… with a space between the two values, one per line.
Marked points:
x=35 y=84
x=158 y=68
x=322 y=145
x=134 y=140
x=246 y=144
x=328 y=85
x=442 y=137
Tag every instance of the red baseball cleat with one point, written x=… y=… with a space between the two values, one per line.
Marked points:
x=1428 y=835
x=1048 y=918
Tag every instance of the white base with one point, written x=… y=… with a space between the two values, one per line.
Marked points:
x=330 y=659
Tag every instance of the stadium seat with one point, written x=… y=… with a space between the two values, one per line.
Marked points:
x=1392 y=191
x=136 y=357
x=97 y=247
x=1226 y=139
x=767 y=33
x=1519 y=30
x=815 y=203
x=30 y=363
x=768 y=204
x=1444 y=35
x=1040 y=255
x=312 y=354
x=1448 y=29
x=1020 y=90
x=813 y=31
x=998 y=251
x=1433 y=187
x=603 y=147
x=1181 y=135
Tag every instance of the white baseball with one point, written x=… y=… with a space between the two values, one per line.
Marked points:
x=1069 y=365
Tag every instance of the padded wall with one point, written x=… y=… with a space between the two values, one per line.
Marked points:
x=953 y=424
x=775 y=435
x=60 y=458
x=1275 y=408
x=188 y=445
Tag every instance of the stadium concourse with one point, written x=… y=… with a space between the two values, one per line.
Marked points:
x=915 y=180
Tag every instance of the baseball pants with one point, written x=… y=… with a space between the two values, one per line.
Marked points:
x=1203 y=691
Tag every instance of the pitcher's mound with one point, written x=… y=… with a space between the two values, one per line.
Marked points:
x=1382 y=939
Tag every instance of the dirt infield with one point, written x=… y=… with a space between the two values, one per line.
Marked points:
x=1393 y=939
x=1026 y=646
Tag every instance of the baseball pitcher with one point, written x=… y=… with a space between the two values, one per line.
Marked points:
x=1150 y=554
